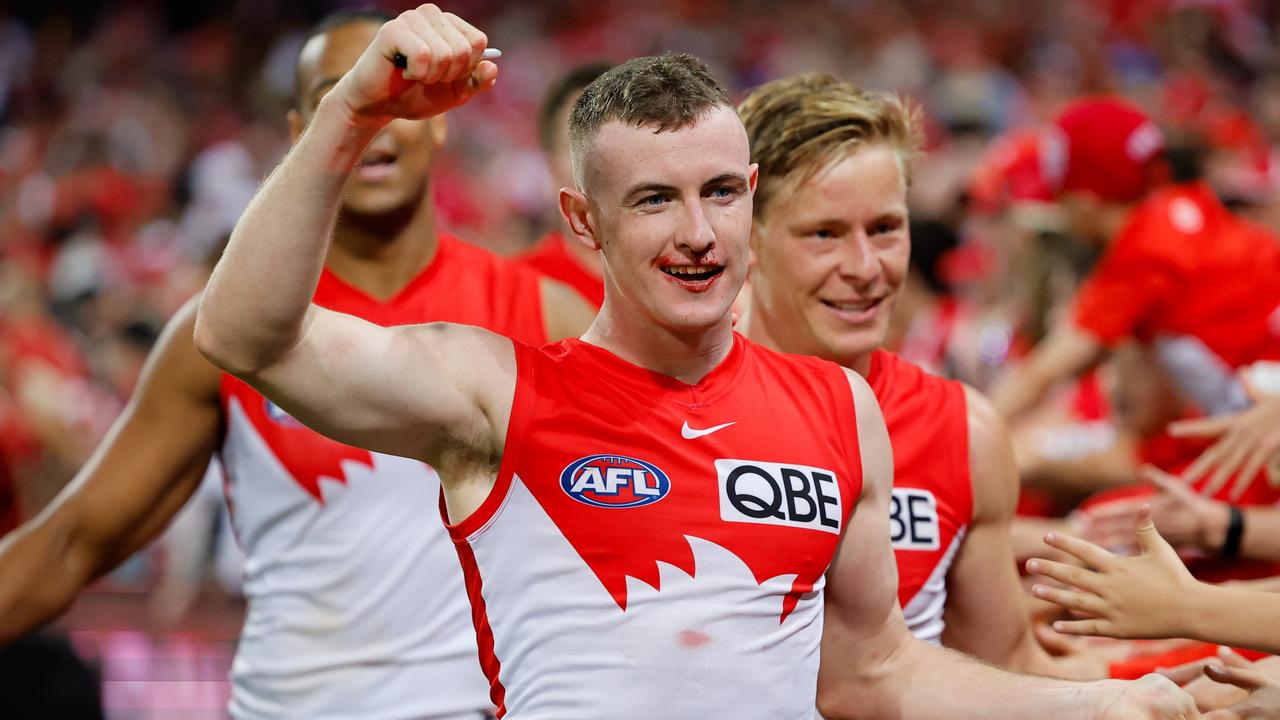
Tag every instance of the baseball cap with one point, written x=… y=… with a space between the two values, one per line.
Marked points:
x=1009 y=173
x=1101 y=145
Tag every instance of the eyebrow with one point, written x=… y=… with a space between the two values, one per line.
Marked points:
x=319 y=88
x=660 y=188
x=647 y=188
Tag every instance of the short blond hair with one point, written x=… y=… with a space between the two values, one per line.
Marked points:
x=798 y=124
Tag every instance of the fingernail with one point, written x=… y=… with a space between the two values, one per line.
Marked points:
x=1038 y=590
x=1051 y=537
x=1033 y=565
x=1058 y=626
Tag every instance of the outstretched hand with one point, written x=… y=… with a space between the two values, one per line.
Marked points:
x=443 y=68
x=1247 y=442
x=1120 y=597
x=1186 y=518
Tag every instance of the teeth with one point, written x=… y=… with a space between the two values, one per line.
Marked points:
x=852 y=307
x=690 y=270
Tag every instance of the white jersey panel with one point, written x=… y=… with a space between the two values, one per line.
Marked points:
x=356 y=604
x=713 y=642
x=926 y=610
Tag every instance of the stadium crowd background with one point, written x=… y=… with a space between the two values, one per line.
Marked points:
x=133 y=134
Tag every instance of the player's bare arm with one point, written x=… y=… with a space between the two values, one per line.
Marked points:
x=453 y=384
x=873 y=667
x=986 y=611
x=139 y=477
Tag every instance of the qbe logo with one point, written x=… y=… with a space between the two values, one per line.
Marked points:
x=913 y=519
x=776 y=494
x=614 y=481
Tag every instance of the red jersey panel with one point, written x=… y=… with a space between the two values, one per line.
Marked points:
x=1198 y=283
x=357 y=604
x=657 y=549
x=551 y=258
x=932 y=503
x=463 y=284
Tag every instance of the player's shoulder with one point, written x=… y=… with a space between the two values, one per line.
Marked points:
x=787 y=362
x=892 y=375
x=483 y=262
x=1180 y=210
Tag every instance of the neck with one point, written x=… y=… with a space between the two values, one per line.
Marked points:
x=755 y=325
x=583 y=255
x=380 y=254
x=686 y=356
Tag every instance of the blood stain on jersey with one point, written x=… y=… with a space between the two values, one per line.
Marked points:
x=614 y=481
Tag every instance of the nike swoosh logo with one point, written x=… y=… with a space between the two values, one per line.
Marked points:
x=689 y=433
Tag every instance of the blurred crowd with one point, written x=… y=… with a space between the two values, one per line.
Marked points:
x=133 y=134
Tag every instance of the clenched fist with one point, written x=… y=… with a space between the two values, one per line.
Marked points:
x=444 y=68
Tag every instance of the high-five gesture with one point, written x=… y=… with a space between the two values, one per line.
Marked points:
x=443 y=68
x=1152 y=595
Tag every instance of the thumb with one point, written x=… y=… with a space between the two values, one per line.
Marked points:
x=1201 y=427
x=483 y=76
x=1055 y=643
x=1149 y=539
x=1232 y=658
x=1245 y=678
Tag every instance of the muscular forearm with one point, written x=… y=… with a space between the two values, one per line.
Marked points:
x=38 y=577
x=256 y=302
x=922 y=682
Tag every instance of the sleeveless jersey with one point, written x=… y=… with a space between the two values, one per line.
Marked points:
x=356 y=605
x=551 y=258
x=653 y=549
x=932 y=500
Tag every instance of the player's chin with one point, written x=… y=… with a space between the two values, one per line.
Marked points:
x=375 y=200
x=846 y=344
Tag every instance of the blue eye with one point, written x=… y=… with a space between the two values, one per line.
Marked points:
x=652 y=201
x=722 y=192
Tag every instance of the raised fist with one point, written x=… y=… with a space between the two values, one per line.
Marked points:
x=443 y=68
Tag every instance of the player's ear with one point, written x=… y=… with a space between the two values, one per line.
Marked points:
x=575 y=210
x=296 y=125
x=439 y=128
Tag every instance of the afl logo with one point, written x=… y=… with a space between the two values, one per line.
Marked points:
x=613 y=481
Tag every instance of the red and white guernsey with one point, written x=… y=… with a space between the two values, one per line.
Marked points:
x=356 y=601
x=932 y=501
x=653 y=549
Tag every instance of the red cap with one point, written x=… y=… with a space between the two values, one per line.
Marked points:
x=1101 y=145
x=1009 y=172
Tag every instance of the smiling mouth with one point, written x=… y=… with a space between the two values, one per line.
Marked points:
x=376 y=165
x=696 y=278
x=853 y=307
x=693 y=272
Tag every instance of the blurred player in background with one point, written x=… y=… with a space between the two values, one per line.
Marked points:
x=356 y=602
x=1197 y=284
x=572 y=263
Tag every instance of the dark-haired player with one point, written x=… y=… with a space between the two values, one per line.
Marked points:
x=356 y=603
x=572 y=263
